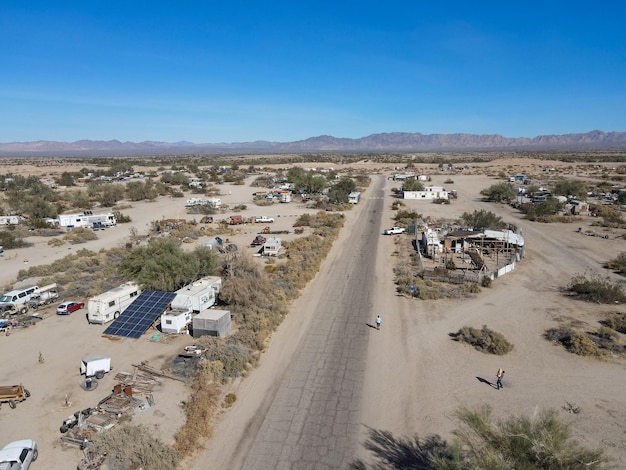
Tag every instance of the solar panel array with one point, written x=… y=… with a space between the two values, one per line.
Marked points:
x=143 y=312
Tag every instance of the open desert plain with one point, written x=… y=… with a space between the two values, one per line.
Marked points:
x=327 y=375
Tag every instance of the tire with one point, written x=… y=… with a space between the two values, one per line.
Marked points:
x=24 y=310
x=27 y=393
x=116 y=315
x=100 y=375
x=34 y=306
x=35 y=454
x=12 y=404
x=64 y=428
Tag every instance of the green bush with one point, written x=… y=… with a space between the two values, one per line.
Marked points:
x=618 y=264
x=484 y=340
x=616 y=321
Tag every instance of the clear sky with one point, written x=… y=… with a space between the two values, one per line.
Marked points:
x=208 y=71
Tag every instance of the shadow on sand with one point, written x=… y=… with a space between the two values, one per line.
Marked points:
x=372 y=326
x=485 y=381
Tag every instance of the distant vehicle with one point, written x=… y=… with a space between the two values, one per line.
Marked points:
x=264 y=218
x=18 y=455
x=13 y=394
x=95 y=366
x=259 y=240
x=394 y=230
x=109 y=305
x=66 y=308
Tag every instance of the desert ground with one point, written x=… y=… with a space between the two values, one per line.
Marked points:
x=418 y=374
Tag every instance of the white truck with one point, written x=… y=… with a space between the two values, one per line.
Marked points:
x=107 y=306
x=95 y=366
x=198 y=295
x=44 y=296
x=264 y=219
x=394 y=230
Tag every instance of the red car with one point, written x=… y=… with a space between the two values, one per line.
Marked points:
x=68 y=307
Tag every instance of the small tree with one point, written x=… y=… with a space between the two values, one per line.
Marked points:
x=482 y=220
x=412 y=184
x=501 y=192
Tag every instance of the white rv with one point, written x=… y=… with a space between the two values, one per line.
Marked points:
x=354 y=197
x=87 y=220
x=10 y=219
x=105 y=307
x=175 y=320
x=272 y=246
x=198 y=295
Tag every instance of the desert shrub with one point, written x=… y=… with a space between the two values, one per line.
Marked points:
x=441 y=201
x=618 y=264
x=520 y=442
x=56 y=242
x=573 y=341
x=305 y=220
x=615 y=321
x=596 y=289
x=130 y=446
x=580 y=344
x=121 y=218
x=395 y=205
x=8 y=240
x=448 y=181
x=487 y=281
x=406 y=217
x=234 y=356
x=229 y=399
x=484 y=340
x=240 y=207
x=200 y=408
x=80 y=235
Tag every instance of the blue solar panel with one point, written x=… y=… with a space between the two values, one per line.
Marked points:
x=143 y=312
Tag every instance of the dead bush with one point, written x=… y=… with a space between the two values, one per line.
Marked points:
x=484 y=340
x=130 y=446
x=80 y=235
x=616 y=321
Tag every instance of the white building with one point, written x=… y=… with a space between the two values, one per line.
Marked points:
x=175 y=320
x=430 y=193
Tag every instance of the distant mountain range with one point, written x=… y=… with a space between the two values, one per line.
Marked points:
x=385 y=142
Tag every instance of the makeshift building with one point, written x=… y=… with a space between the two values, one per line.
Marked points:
x=211 y=322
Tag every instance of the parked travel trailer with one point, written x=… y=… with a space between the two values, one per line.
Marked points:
x=354 y=197
x=198 y=295
x=86 y=220
x=107 y=306
x=272 y=246
x=10 y=219
x=212 y=201
x=175 y=320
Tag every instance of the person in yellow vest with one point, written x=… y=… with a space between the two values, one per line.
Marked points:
x=499 y=376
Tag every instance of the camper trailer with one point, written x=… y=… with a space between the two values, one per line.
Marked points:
x=106 y=307
x=198 y=295
x=354 y=197
x=272 y=246
x=175 y=320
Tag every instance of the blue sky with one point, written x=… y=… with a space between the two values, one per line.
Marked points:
x=287 y=70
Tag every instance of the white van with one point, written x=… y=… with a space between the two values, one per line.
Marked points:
x=17 y=297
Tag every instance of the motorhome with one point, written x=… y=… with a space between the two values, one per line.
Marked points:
x=86 y=220
x=10 y=219
x=198 y=295
x=272 y=246
x=107 y=306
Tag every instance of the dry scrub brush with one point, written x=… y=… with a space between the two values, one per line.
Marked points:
x=484 y=340
x=129 y=446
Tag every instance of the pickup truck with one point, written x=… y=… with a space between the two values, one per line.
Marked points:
x=264 y=218
x=394 y=230
x=259 y=240
x=18 y=455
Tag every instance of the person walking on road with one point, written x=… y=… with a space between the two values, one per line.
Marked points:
x=499 y=376
x=378 y=322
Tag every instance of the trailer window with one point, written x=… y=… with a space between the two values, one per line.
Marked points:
x=112 y=303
